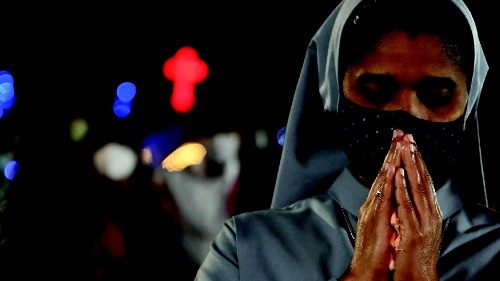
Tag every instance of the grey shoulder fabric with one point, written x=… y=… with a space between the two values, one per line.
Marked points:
x=471 y=246
x=300 y=242
x=309 y=241
x=221 y=262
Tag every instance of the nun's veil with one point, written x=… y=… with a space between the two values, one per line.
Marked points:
x=312 y=157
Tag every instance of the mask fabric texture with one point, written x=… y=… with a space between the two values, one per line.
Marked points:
x=366 y=136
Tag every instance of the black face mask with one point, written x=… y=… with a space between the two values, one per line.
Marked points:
x=366 y=136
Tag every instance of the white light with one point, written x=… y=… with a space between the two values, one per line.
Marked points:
x=261 y=139
x=115 y=161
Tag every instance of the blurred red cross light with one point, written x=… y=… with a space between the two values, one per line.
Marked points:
x=185 y=69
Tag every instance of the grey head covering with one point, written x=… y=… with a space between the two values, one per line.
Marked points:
x=312 y=158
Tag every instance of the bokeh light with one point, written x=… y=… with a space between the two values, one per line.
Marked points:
x=281 y=136
x=186 y=155
x=146 y=156
x=185 y=69
x=10 y=169
x=6 y=77
x=161 y=143
x=261 y=139
x=113 y=240
x=115 y=161
x=8 y=104
x=126 y=92
x=6 y=86
x=122 y=109
x=6 y=91
x=78 y=129
x=7 y=96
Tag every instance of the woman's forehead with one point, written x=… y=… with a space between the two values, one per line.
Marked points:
x=399 y=53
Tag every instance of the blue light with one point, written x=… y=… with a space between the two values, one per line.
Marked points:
x=126 y=92
x=162 y=143
x=6 y=92
x=281 y=136
x=5 y=77
x=6 y=86
x=8 y=104
x=10 y=169
x=122 y=109
x=1 y=112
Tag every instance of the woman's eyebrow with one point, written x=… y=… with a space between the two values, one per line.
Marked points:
x=375 y=78
x=426 y=80
x=437 y=81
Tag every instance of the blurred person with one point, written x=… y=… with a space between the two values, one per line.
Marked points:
x=381 y=175
x=203 y=196
x=131 y=237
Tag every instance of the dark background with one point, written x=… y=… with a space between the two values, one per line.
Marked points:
x=67 y=60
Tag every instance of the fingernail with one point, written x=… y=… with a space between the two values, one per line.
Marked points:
x=392 y=264
x=411 y=139
x=396 y=133
x=402 y=173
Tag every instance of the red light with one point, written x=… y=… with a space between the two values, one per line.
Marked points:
x=185 y=69
x=113 y=240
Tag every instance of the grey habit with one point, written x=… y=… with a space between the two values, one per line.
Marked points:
x=306 y=235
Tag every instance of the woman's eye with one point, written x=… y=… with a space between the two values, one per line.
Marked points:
x=435 y=92
x=376 y=89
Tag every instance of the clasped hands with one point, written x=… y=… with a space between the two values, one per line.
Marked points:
x=399 y=225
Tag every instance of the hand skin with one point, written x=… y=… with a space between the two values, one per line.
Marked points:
x=403 y=179
x=420 y=217
x=372 y=250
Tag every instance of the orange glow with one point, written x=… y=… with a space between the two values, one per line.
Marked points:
x=147 y=156
x=185 y=69
x=186 y=155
